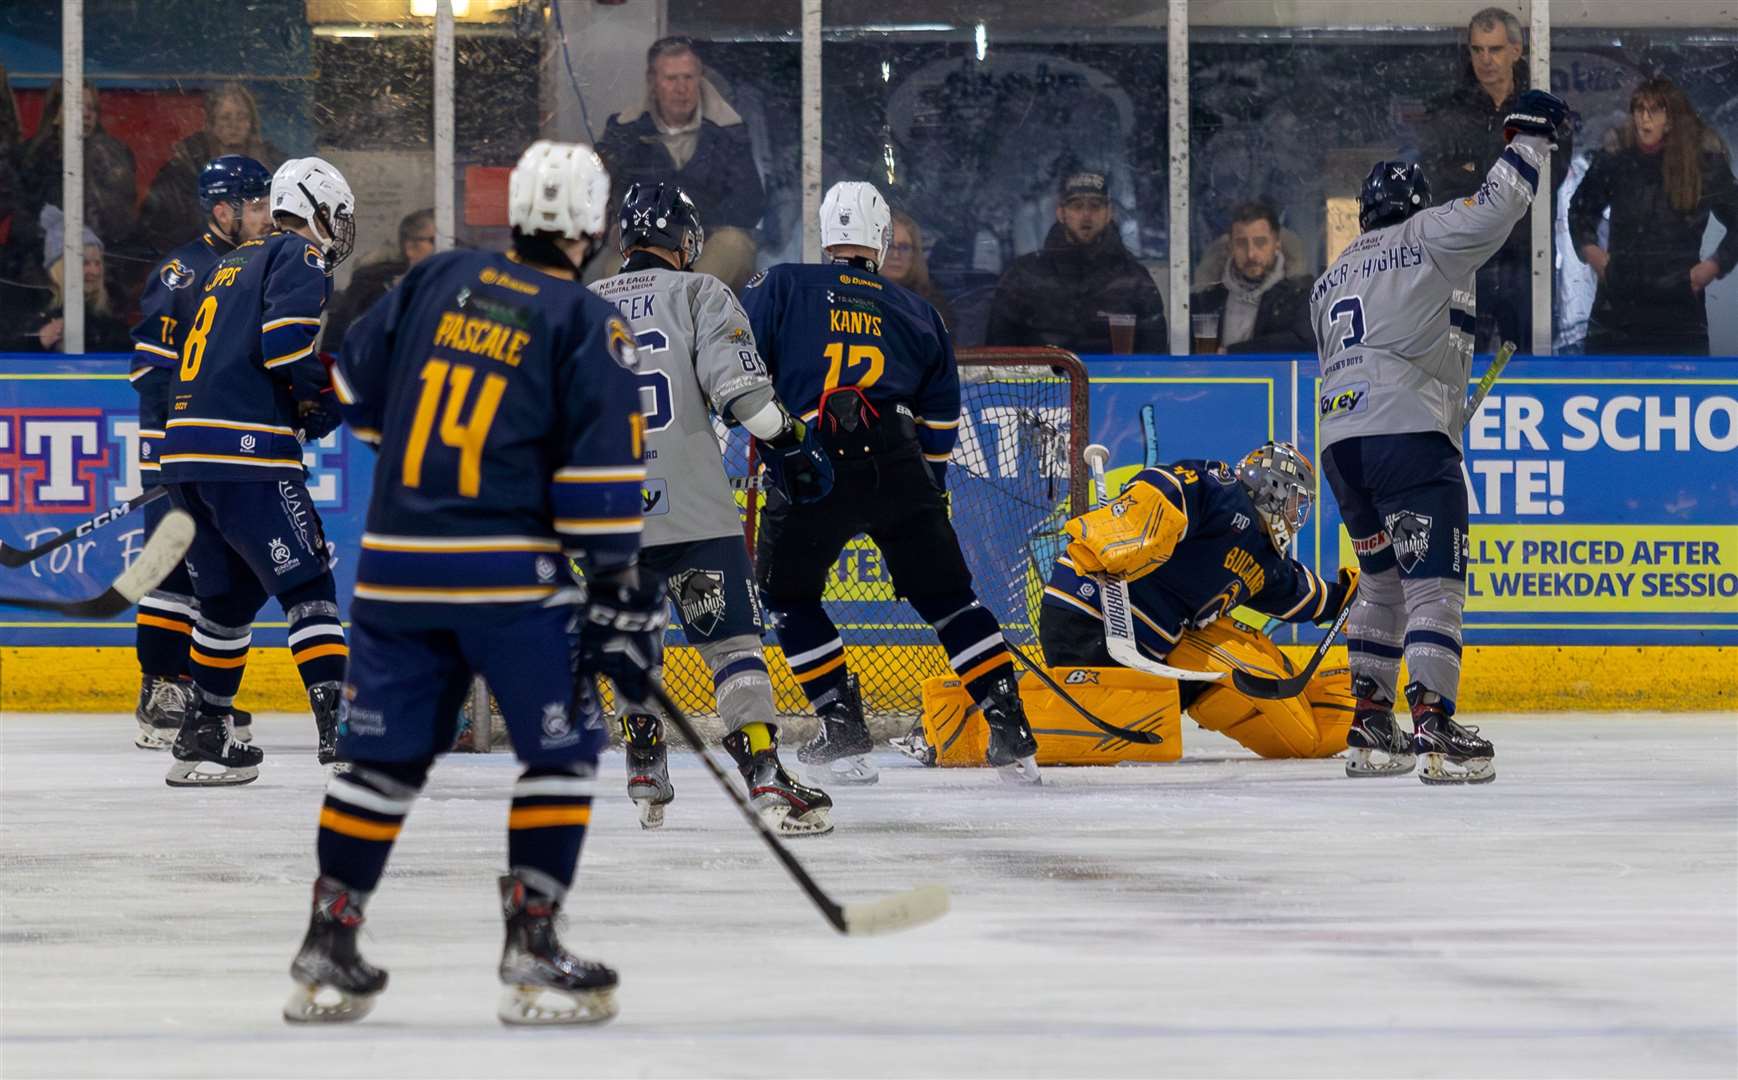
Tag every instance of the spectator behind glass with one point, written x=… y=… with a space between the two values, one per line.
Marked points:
x=375 y=278
x=686 y=134
x=1261 y=303
x=908 y=266
x=109 y=193
x=104 y=331
x=172 y=212
x=1460 y=136
x=1661 y=176
x=1070 y=292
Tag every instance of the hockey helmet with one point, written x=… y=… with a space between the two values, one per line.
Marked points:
x=661 y=215
x=1393 y=192
x=559 y=188
x=232 y=178
x=1282 y=484
x=315 y=191
x=855 y=213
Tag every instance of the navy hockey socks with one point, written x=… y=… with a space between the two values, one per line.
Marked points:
x=813 y=650
x=164 y=628
x=364 y=810
x=546 y=826
x=316 y=638
x=975 y=649
x=216 y=660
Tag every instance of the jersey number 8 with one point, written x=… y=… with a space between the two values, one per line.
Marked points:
x=193 y=349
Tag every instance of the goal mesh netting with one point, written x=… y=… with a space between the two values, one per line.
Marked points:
x=1016 y=475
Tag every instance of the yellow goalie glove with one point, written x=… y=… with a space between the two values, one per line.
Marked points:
x=1128 y=537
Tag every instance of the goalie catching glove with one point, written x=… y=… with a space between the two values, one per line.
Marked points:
x=797 y=464
x=621 y=636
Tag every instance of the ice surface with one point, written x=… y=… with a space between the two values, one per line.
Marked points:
x=1222 y=916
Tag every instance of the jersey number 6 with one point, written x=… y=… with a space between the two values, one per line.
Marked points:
x=657 y=403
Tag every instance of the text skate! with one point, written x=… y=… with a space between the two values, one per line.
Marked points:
x=542 y=982
x=1452 y=754
x=840 y=749
x=334 y=985
x=164 y=705
x=206 y=755
x=1375 y=744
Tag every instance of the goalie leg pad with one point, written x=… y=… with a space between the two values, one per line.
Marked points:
x=1286 y=728
x=955 y=729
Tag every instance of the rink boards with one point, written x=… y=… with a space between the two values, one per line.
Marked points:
x=1603 y=555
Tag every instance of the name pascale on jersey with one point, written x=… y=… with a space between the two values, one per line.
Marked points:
x=697 y=356
x=165 y=313
x=1206 y=552
x=504 y=405
x=1394 y=315
x=822 y=326
x=246 y=358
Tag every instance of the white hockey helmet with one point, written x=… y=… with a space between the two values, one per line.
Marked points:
x=314 y=190
x=560 y=188
x=855 y=213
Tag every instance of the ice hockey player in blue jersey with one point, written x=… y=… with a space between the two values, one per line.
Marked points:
x=234 y=190
x=502 y=398
x=871 y=365
x=697 y=360
x=248 y=390
x=1394 y=326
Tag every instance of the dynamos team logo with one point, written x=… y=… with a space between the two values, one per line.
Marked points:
x=700 y=595
x=1410 y=535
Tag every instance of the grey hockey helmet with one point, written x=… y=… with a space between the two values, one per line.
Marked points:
x=1282 y=484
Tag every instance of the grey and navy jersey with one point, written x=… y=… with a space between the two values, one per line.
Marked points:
x=1394 y=314
x=697 y=356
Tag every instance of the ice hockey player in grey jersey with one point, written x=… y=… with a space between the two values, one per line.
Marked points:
x=697 y=359
x=1394 y=325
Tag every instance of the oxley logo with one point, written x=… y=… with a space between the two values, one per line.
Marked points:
x=1411 y=538
x=1346 y=402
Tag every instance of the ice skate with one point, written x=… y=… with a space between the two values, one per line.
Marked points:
x=915 y=745
x=1375 y=744
x=543 y=982
x=206 y=755
x=164 y=705
x=334 y=985
x=1453 y=754
x=241 y=724
x=1013 y=750
x=323 y=699
x=840 y=749
x=791 y=808
x=648 y=767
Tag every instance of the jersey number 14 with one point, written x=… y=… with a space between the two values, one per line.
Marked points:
x=443 y=378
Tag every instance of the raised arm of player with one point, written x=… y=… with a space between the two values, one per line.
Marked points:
x=1135 y=533
x=595 y=491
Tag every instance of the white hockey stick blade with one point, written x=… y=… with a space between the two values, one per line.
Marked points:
x=1129 y=655
x=902 y=911
x=162 y=554
x=1119 y=636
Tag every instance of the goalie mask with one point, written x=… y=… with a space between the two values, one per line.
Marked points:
x=315 y=191
x=1281 y=483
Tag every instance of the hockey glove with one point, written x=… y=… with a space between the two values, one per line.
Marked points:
x=797 y=464
x=1340 y=593
x=621 y=636
x=318 y=418
x=1537 y=112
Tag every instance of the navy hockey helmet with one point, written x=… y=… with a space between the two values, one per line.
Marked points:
x=232 y=178
x=1393 y=192
x=661 y=215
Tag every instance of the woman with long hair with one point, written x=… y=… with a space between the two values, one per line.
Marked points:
x=1661 y=175
x=104 y=331
x=908 y=266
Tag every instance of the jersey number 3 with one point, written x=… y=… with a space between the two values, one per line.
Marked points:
x=1353 y=306
x=442 y=378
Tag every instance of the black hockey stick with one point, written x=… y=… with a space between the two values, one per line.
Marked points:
x=1262 y=687
x=162 y=553
x=11 y=556
x=898 y=912
x=1131 y=734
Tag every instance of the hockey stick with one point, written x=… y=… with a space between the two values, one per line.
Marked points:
x=1260 y=686
x=898 y=912
x=1119 y=631
x=11 y=556
x=1134 y=735
x=161 y=554
x=1489 y=380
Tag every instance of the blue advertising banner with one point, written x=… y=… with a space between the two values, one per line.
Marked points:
x=1604 y=494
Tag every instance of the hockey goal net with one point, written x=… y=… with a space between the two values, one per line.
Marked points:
x=1016 y=474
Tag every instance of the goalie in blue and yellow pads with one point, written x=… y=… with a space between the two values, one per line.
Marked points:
x=1192 y=540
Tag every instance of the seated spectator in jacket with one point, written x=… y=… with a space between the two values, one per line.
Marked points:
x=1262 y=303
x=104 y=330
x=109 y=189
x=376 y=277
x=1069 y=292
x=908 y=266
x=1661 y=176
x=171 y=212
x=686 y=134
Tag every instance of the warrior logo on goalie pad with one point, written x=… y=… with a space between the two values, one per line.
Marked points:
x=1410 y=535
x=700 y=595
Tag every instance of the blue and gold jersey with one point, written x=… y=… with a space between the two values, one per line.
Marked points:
x=1208 y=553
x=246 y=358
x=505 y=408
x=165 y=312
x=825 y=325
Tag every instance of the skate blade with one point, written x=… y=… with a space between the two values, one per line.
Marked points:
x=1021 y=771
x=1439 y=769
x=817 y=822
x=1362 y=764
x=150 y=740
x=651 y=813
x=314 y=1004
x=914 y=748
x=540 y=1006
x=845 y=770
x=190 y=774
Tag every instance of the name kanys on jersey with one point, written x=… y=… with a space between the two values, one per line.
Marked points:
x=166 y=312
x=503 y=402
x=1210 y=554
x=824 y=326
x=246 y=358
